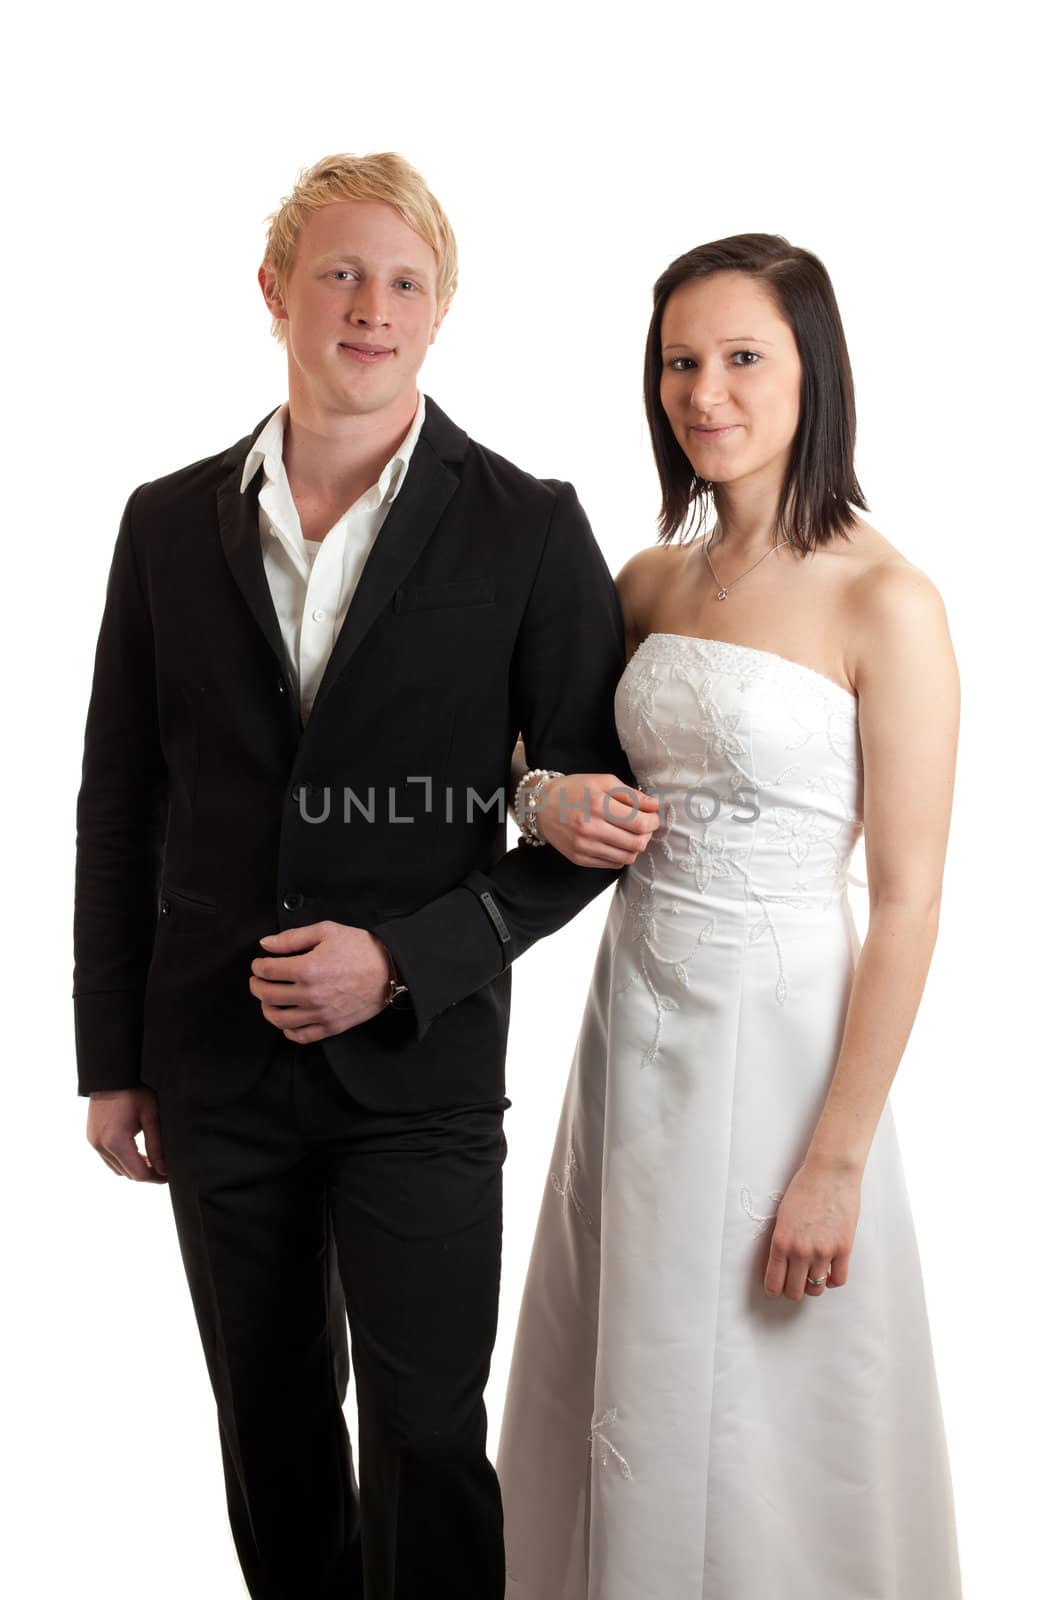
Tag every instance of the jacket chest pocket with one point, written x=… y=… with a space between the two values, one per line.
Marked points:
x=458 y=592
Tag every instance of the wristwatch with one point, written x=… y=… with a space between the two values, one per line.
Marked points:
x=395 y=987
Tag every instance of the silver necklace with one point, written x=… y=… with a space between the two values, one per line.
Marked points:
x=724 y=588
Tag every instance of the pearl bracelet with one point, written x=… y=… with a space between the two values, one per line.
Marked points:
x=536 y=778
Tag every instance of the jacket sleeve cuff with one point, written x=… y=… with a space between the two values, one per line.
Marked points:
x=446 y=950
x=108 y=1032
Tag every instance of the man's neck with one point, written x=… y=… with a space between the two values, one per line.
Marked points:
x=330 y=459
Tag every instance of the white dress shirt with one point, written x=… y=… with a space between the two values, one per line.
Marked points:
x=312 y=581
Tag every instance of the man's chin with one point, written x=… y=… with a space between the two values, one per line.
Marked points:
x=361 y=393
x=368 y=391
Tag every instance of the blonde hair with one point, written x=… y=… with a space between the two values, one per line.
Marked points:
x=383 y=176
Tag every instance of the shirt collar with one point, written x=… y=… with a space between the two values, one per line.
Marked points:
x=268 y=448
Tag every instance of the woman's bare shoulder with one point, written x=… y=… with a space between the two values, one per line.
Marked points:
x=882 y=574
x=642 y=578
x=649 y=566
x=895 y=611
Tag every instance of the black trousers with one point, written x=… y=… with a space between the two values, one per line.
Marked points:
x=297 y=1211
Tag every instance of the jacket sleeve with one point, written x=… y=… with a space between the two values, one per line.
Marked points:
x=121 y=808
x=568 y=658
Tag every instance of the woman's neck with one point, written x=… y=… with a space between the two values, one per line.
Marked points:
x=745 y=540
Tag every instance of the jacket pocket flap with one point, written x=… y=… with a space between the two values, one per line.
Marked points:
x=181 y=898
x=434 y=596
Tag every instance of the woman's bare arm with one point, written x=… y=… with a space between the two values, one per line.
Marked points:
x=519 y=764
x=908 y=706
x=638 y=583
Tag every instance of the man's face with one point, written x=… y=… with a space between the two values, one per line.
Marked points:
x=361 y=307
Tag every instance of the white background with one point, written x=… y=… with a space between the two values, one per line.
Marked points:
x=576 y=154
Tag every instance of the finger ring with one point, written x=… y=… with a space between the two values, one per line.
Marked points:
x=817 y=1282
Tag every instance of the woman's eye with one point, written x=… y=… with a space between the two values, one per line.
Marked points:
x=684 y=363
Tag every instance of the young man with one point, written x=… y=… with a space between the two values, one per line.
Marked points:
x=295 y=916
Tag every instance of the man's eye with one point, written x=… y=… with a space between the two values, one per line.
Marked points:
x=406 y=283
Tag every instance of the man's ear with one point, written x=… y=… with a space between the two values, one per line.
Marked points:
x=272 y=291
x=439 y=319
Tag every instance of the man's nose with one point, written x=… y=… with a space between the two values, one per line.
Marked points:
x=370 y=306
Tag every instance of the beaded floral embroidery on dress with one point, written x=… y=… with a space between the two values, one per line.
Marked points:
x=565 y=1187
x=760 y=1220
x=641 y=910
x=608 y=1448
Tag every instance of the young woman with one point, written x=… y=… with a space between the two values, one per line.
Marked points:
x=722 y=1384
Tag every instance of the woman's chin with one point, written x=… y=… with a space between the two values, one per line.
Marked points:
x=710 y=474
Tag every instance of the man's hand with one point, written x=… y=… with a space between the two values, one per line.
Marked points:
x=115 y=1116
x=320 y=980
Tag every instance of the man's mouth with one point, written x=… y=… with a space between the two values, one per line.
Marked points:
x=368 y=354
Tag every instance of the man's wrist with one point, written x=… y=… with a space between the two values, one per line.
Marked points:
x=397 y=993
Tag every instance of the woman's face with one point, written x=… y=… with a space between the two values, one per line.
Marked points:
x=731 y=378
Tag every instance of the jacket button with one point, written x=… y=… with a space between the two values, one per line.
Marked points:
x=281 y=686
x=292 y=900
x=165 y=908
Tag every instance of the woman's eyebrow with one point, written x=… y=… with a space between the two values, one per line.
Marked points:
x=733 y=339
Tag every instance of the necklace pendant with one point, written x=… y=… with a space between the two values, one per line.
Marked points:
x=722 y=594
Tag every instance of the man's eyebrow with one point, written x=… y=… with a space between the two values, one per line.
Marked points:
x=735 y=338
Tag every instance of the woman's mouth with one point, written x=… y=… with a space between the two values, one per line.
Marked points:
x=713 y=434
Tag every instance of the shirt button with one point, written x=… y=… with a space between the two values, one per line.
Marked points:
x=281 y=686
x=165 y=908
x=292 y=900
x=318 y=615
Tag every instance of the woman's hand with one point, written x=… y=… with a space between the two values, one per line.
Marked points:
x=596 y=820
x=814 y=1231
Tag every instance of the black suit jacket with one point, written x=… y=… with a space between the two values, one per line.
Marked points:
x=208 y=815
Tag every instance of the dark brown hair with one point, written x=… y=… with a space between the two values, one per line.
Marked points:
x=820 y=485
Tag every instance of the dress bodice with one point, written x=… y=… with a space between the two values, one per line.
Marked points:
x=756 y=761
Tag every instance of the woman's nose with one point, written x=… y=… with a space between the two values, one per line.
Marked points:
x=709 y=388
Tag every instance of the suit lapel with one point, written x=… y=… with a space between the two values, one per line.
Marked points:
x=239 y=533
x=429 y=485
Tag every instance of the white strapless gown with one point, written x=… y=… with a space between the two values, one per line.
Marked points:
x=670 y=1431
